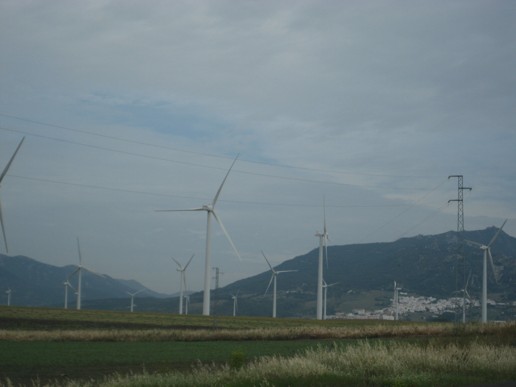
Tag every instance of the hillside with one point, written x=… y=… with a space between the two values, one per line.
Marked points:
x=424 y=265
x=364 y=273
x=35 y=283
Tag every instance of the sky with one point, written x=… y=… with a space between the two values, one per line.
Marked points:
x=128 y=107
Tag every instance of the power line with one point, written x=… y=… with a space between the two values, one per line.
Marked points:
x=408 y=208
x=271 y=204
x=136 y=142
x=107 y=149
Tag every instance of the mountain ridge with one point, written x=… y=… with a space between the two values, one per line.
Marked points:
x=427 y=265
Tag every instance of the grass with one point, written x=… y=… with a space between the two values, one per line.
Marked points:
x=362 y=364
x=41 y=346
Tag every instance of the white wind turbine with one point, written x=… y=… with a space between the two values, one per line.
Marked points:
x=4 y=172
x=464 y=295
x=396 y=301
x=132 y=298
x=182 y=280
x=487 y=251
x=234 y=297
x=210 y=210
x=67 y=286
x=323 y=250
x=187 y=302
x=326 y=286
x=8 y=292
x=79 y=270
x=273 y=281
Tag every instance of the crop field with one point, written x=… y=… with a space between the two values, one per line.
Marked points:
x=55 y=347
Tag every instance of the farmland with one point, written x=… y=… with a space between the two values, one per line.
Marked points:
x=52 y=346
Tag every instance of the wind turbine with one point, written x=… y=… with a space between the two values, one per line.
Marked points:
x=235 y=302
x=67 y=285
x=4 y=172
x=326 y=286
x=396 y=301
x=79 y=270
x=273 y=280
x=182 y=280
x=487 y=251
x=210 y=210
x=8 y=292
x=132 y=298
x=323 y=237
x=464 y=295
x=187 y=302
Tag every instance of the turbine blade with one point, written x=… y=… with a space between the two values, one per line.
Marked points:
x=3 y=229
x=79 y=251
x=182 y=210
x=268 y=263
x=473 y=243
x=177 y=262
x=326 y=253
x=94 y=272
x=4 y=172
x=285 y=271
x=190 y=260
x=223 y=182
x=496 y=235
x=492 y=265
x=270 y=282
x=467 y=282
x=324 y=216
x=73 y=273
x=227 y=234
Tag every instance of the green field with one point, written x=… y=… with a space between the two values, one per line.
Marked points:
x=40 y=346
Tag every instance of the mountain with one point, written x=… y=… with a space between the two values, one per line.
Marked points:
x=426 y=265
x=35 y=283
x=434 y=265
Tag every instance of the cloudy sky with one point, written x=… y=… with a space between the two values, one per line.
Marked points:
x=129 y=107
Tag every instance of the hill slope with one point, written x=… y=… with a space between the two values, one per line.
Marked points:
x=434 y=265
x=35 y=283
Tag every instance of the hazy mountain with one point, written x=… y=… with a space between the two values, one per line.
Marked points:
x=432 y=265
x=35 y=283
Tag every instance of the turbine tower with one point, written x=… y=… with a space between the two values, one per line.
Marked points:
x=326 y=286
x=8 y=292
x=182 y=280
x=67 y=285
x=132 y=298
x=210 y=211
x=4 y=172
x=78 y=271
x=487 y=251
x=235 y=303
x=273 y=280
x=79 y=276
x=396 y=301
x=464 y=295
x=323 y=237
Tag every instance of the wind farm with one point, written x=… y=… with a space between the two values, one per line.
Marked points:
x=210 y=212
x=266 y=193
x=182 y=281
x=486 y=252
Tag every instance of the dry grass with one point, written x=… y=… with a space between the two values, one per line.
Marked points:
x=393 y=364
x=291 y=333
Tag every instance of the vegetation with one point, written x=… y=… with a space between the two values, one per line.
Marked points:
x=84 y=348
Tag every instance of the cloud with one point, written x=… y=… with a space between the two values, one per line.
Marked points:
x=370 y=104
